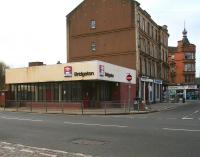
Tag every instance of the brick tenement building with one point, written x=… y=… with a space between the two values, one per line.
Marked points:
x=122 y=33
x=182 y=69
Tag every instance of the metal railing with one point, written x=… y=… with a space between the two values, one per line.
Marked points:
x=75 y=107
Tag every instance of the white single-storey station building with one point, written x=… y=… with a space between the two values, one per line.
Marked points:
x=95 y=81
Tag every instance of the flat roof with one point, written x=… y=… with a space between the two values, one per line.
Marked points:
x=75 y=71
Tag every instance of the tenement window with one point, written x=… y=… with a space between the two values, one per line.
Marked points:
x=93 y=47
x=189 y=67
x=189 y=55
x=93 y=24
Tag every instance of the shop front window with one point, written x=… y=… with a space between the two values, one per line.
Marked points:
x=40 y=92
x=71 y=91
x=142 y=90
x=158 y=91
x=151 y=92
x=105 y=91
x=191 y=95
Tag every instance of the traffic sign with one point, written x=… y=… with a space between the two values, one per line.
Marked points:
x=129 y=77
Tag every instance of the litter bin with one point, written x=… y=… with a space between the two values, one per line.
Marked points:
x=142 y=106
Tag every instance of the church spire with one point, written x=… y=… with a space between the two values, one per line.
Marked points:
x=185 y=39
x=184 y=31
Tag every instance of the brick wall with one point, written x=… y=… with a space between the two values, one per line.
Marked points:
x=124 y=92
x=114 y=34
x=2 y=98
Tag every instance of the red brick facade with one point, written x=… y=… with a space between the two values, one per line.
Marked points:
x=121 y=33
x=182 y=63
x=114 y=34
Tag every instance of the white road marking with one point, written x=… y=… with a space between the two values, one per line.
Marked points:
x=186 y=118
x=32 y=120
x=5 y=143
x=53 y=150
x=22 y=119
x=27 y=151
x=186 y=130
x=9 y=118
x=49 y=155
x=102 y=125
x=9 y=148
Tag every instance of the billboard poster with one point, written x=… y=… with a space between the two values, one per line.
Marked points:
x=68 y=71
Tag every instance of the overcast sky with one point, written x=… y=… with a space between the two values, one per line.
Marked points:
x=35 y=30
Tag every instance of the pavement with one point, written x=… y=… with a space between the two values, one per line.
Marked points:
x=157 y=107
x=166 y=106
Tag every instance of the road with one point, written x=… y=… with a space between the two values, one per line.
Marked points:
x=171 y=133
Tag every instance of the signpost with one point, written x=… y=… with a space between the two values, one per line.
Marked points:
x=129 y=78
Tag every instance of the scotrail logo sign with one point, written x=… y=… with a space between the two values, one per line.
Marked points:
x=101 y=70
x=68 y=71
